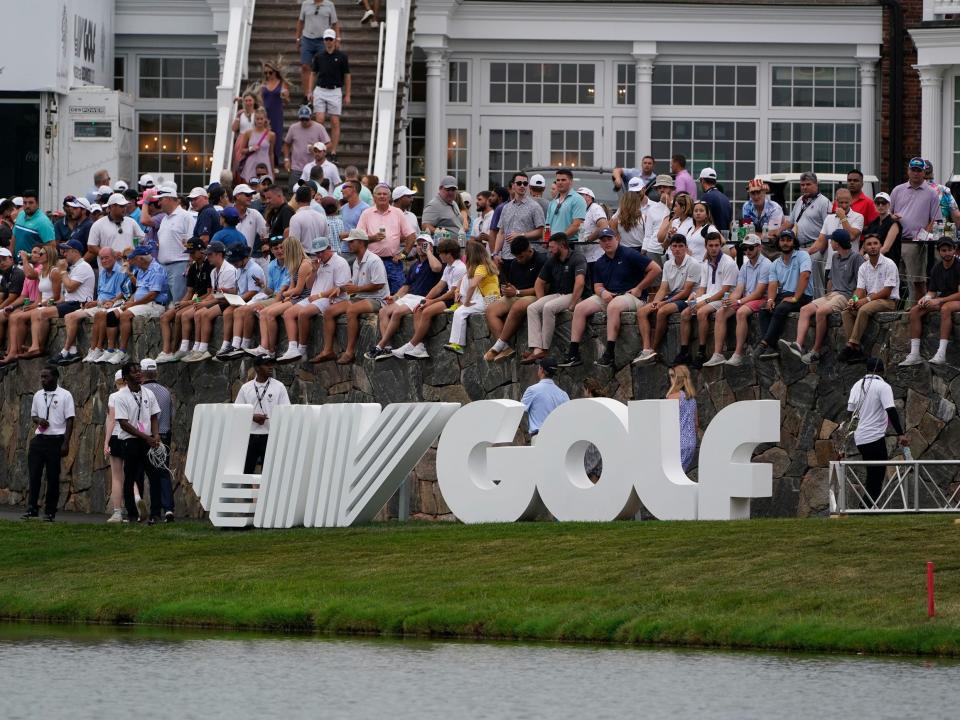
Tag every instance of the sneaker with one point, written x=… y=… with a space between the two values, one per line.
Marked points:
x=682 y=358
x=30 y=515
x=152 y=521
x=715 y=360
x=912 y=359
x=454 y=347
x=367 y=17
x=224 y=354
x=289 y=356
x=198 y=356
x=180 y=355
x=768 y=353
x=165 y=357
x=168 y=516
x=107 y=357
x=571 y=360
x=385 y=354
x=120 y=357
x=116 y=517
x=810 y=357
x=371 y=354
x=417 y=351
x=938 y=359
x=374 y=23
x=452 y=308
x=401 y=352
x=55 y=359
x=141 y=508
x=791 y=347
x=699 y=360
x=94 y=355
x=645 y=357
x=258 y=351
x=605 y=360
x=70 y=358
x=49 y=518
x=232 y=353
x=735 y=360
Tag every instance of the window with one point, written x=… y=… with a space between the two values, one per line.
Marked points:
x=179 y=78
x=823 y=147
x=626 y=84
x=571 y=148
x=625 y=154
x=458 y=88
x=713 y=85
x=510 y=151
x=547 y=83
x=178 y=146
x=119 y=73
x=808 y=86
x=457 y=155
x=728 y=146
x=418 y=79
x=416 y=159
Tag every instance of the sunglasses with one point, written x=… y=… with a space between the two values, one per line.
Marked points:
x=756 y=192
x=521 y=183
x=329 y=39
x=881 y=202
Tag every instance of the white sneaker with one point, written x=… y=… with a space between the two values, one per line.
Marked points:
x=417 y=351
x=258 y=351
x=367 y=17
x=912 y=359
x=290 y=356
x=93 y=356
x=647 y=356
x=106 y=357
x=180 y=355
x=164 y=357
x=142 y=508
x=401 y=352
x=735 y=360
x=938 y=359
x=119 y=358
x=715 y=359
x=197 y=356
x=116 y=517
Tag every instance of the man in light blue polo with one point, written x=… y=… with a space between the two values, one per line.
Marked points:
x=568 y=209
x=789 y=290
x=151 y=295
x=544 y=397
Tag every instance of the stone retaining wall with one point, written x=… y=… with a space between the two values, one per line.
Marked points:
x=813 y=402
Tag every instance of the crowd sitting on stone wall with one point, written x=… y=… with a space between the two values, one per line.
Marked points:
x=522 y=257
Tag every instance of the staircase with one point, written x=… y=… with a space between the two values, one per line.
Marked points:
x=274 y=32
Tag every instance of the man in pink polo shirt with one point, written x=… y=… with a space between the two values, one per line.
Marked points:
x=393 y=232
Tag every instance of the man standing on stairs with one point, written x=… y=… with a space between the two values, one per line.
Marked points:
x=330 y=89
x=316 y=16
x=298 y=142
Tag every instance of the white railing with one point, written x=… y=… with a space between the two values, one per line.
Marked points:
x=910 y=488
x=937 y=9
x=239 y=27
x=392 y=73
x=378 y=79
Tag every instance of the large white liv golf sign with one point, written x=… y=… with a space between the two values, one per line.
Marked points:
x=335 y=465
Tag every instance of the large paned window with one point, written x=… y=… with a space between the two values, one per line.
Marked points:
x=815 y=86
x=418 y=78
x=119 y=74
x=547 y=83
x=457 y=155
x=825 y=147
x=510 y=151
x=626 y=84
x=728 y=146
x=176 y=145
x=458 y=88
x=705 y=85
x=179 y=78
x=416 y=159
x=625 y=152
x=571 y=148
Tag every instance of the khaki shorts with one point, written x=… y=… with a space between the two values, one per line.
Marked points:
x=633 y=303
x=837 y=302
x=149 y=310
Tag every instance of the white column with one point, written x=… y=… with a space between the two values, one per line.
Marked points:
x=931 y=113
x=644 y=65
x=436 y=139
x=868 y=118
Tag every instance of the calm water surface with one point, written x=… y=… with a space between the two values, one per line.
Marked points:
x=78 y=674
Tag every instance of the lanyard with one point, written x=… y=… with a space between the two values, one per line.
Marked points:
x=260 y=395
x=139 y=398
x=48 y=398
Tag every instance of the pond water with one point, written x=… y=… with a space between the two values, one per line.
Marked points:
x=102 y=674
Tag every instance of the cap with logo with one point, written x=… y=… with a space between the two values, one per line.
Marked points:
x=788 y=234
x=166 y=192
x=449 y=181
x=751 y=239
x=664 y=181
x=606 y=233
x=636 y=184
x=192 y=245
x=755 y=184
x=197 y=192
x=243 y=189
x=425 y=237
x=708 y=173
x=120 y=186
x=402 y=191
x=148 y=364
x=216 y=246
x=319 y=244
x=587 y=191
x=117 y=199
x=538 y=181
x=80 y=202
x=254 y=181
x=236 y=253
x=146 y=181
x=882 y=196
x=304 y=113
x=140 y=251
x=916 y=163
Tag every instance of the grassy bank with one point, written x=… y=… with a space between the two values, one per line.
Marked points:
x=856 y=584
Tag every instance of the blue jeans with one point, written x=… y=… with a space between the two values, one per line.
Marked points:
x=310 y=47
x=395 y=274
x=177 y=278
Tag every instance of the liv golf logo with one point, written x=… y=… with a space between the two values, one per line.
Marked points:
x=335 y=465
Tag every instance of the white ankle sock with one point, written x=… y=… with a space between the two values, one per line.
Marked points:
x=72 y=349
x=293 y=346
x=201 y=347
x=236 y=341
x=499 y=346
x=185 y=346
x=915 y=346
x=246 y=343
x=942 y=350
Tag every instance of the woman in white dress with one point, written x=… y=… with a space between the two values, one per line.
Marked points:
x=679 y=220
x=697 y=234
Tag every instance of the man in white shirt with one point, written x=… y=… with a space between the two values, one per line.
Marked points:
x=330 y=171
x=306 y=224
x=138 y=413
x=172 y=236
x=264 y=393
x=252 y=224
x=115 y=230
x=403 y=199
x=367 y=290
x=594 y=221
x=878 y=289
x=481 y=223
x=223 y=281
x=653 y=215
x=332 y=277
x=871 y=402
x=52 y=412
x=843 y=218
x=78 y=284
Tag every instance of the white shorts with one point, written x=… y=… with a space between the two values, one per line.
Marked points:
x=328 y=101
x=91 y=312
x=409 y=301
x=149 y=310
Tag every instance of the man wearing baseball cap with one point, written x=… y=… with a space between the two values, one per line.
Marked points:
x=208 y=219
x=298 y=142
x=331 y=172
x=721 y=209
x=252 y=224
x=172 y=236
x=402 y=197
x=150 y=295
x=543 y=397
x=115 y=230
x=176 y=322
x=943 y=296
x=442 y=211
x=250 y=279
x=228 y=233
x=223 y=281
x=81 y=212
x=306 y=223
x=761 y=211
x=538 y=184
x=329 y=87
x=78 y=282
x=916 y=205
x=391 y=234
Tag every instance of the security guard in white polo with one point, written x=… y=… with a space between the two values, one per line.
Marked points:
x=52 y=412
x=264 y=393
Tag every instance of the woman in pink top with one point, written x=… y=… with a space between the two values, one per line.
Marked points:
x=257 y=146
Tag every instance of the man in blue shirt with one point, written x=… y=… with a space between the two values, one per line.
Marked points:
x=32 y=227
x=149 y=298
x=543 y=398
x=113 y=286
x=789 y=290
x=721 y=209
x=568 y=209
x=208 y=219
x=228 y=234
x=353 y=208
x=621 y=279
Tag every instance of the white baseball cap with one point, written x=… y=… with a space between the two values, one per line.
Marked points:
x=426 y=237
x=148 y=364
x=465 y=197
x=120 y=186
x=636 y=184
x=104 y=190
x=538 y=181
x=244 y=188
x=95 y=208
x=329 y=33
x=80 y=202
x=116 y=199
x=587 y=191
x=118 y=375
x=166 y=192
x=197 y=192
x=18 y=201
x=146 y=181
x=708 y=173
x=319 y=146
x=402 y=191
x=5 y=253
x=882 y=196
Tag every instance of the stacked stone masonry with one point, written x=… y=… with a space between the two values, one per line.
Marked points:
x=813 y=403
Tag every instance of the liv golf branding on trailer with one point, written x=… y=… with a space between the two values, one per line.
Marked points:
x=335 y=465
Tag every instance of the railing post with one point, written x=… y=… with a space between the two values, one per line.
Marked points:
x=842 y=506
x=916 y=487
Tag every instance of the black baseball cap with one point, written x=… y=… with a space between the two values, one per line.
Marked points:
x=946 y=240
x=548 y=365
x=193 y=244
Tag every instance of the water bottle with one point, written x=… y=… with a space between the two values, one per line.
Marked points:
x=462 y=238
x=907 y=455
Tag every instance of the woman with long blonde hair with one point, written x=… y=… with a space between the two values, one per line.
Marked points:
x=241 y=123
x=682 y=390
x=302 y=273
x=628 y=220
x=41 y=267
x=479 y=287
x=256 y=146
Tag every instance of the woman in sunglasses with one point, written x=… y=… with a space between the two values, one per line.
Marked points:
x=274 y=92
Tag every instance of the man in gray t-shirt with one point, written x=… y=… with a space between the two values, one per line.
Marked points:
x=843 y=281
x=315 y=17
x=520 y=216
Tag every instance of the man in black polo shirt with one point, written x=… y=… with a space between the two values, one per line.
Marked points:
x=11 y=287
x=506 y=315
x=279 y=212
x=621 y=278
x=330 y=84
x=943 y=296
